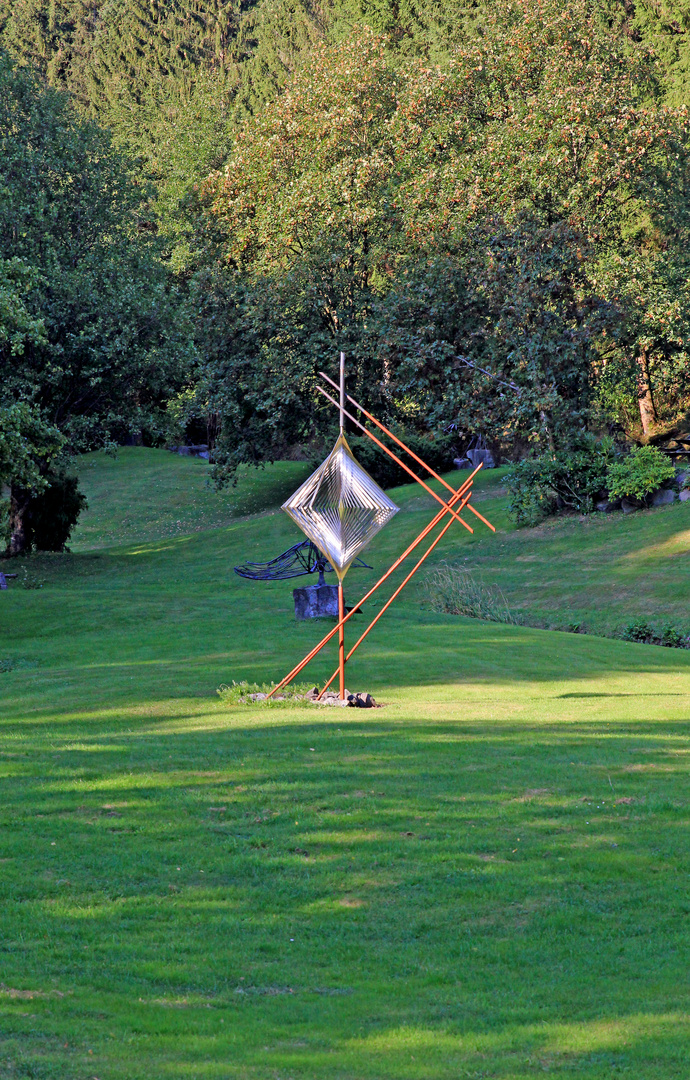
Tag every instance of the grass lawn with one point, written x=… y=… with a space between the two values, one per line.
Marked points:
x=489 y=877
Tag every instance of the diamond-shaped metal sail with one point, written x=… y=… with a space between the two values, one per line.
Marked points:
x=340 y=507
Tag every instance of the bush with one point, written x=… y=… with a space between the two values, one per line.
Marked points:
x=240 y=693
x=638 y=631
x=453 y=591
x=53 y=514
x=435 y=450
x=641 y=631
x=640 y=474
x=568 y=479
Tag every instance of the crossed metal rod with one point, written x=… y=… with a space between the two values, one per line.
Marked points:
x=462 y=496
x=360 y=408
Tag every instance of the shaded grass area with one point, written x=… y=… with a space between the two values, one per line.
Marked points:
x=143 y=494
x=486 y=878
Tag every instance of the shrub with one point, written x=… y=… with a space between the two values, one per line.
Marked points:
x=452 y=590
x=569 y=479
x=239 y=693
x=641 y=631
x=54 y=513
x=673 y=638
x=637 y=631
x=640 y=474
x=435 y=450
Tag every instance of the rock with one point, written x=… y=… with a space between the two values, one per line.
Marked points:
x=462 y=463
x=332 y=697
x=352 y=701
x=628 y=507
x=684 y=495
x=682 y=476
x=663 y=497
x=191 y=451
x=362 y=701
x=3 y=582
x=483 y=457
x=316 y=602
x=607 y=506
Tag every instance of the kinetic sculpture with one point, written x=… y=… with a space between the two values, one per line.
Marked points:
x=297 y=561
x=340 y=508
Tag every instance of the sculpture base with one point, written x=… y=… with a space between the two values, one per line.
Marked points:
x=316 y=602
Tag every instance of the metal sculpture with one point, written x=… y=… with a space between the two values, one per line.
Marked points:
x=297 y=561
x=341 y=508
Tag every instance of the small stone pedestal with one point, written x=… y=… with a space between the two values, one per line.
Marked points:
x=316 y=602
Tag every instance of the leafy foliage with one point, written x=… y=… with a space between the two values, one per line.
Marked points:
x=54 y=512
x=642 y=472
x=436 y=450
x=243 y=693
x=461 y=233
x=91 y=337
x=28 y=446
x=641 y=631
x=568 y=480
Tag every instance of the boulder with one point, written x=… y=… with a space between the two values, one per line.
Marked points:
x=684 y=495
x=483 y=457
x=628 y=506
x=663 y=497
x=362 y=701
x=353 y=701
x=316 y=602
x=607 y=506
x=462 y=463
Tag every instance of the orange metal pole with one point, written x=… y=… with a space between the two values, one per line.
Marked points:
x=404 y=447
x=341 y=640
x=397 y=460
x=388 y=603
x=296 y=670
x=477 y=514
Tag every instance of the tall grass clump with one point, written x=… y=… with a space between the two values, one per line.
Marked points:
x=453 y=590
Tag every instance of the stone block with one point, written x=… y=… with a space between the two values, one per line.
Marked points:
x=663 y=497
x=316 y=602
x=483 y=457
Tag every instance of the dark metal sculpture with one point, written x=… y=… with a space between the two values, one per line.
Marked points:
x=297 y=561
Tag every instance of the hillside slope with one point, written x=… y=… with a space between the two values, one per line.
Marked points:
x=486 y=877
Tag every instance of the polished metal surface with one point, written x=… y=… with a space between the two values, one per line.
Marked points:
x=340 y=508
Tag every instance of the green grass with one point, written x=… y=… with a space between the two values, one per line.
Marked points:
x=486 y=878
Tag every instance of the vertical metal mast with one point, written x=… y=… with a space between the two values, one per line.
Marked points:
x=341 y=597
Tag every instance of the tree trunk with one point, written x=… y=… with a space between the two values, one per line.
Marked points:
x=19 y=532
x=644 y=392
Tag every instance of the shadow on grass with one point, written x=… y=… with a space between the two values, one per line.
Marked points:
x=655 y=694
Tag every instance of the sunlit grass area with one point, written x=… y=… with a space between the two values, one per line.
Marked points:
x=486 y=878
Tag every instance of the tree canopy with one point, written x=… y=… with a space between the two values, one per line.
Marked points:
x=485 y=205
x=90 y=340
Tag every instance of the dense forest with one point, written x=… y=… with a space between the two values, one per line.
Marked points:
x=202 y=201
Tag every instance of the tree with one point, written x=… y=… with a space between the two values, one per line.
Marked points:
x=305 y=232
x=548 y=126
x=103 y=340
x=453 y=229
